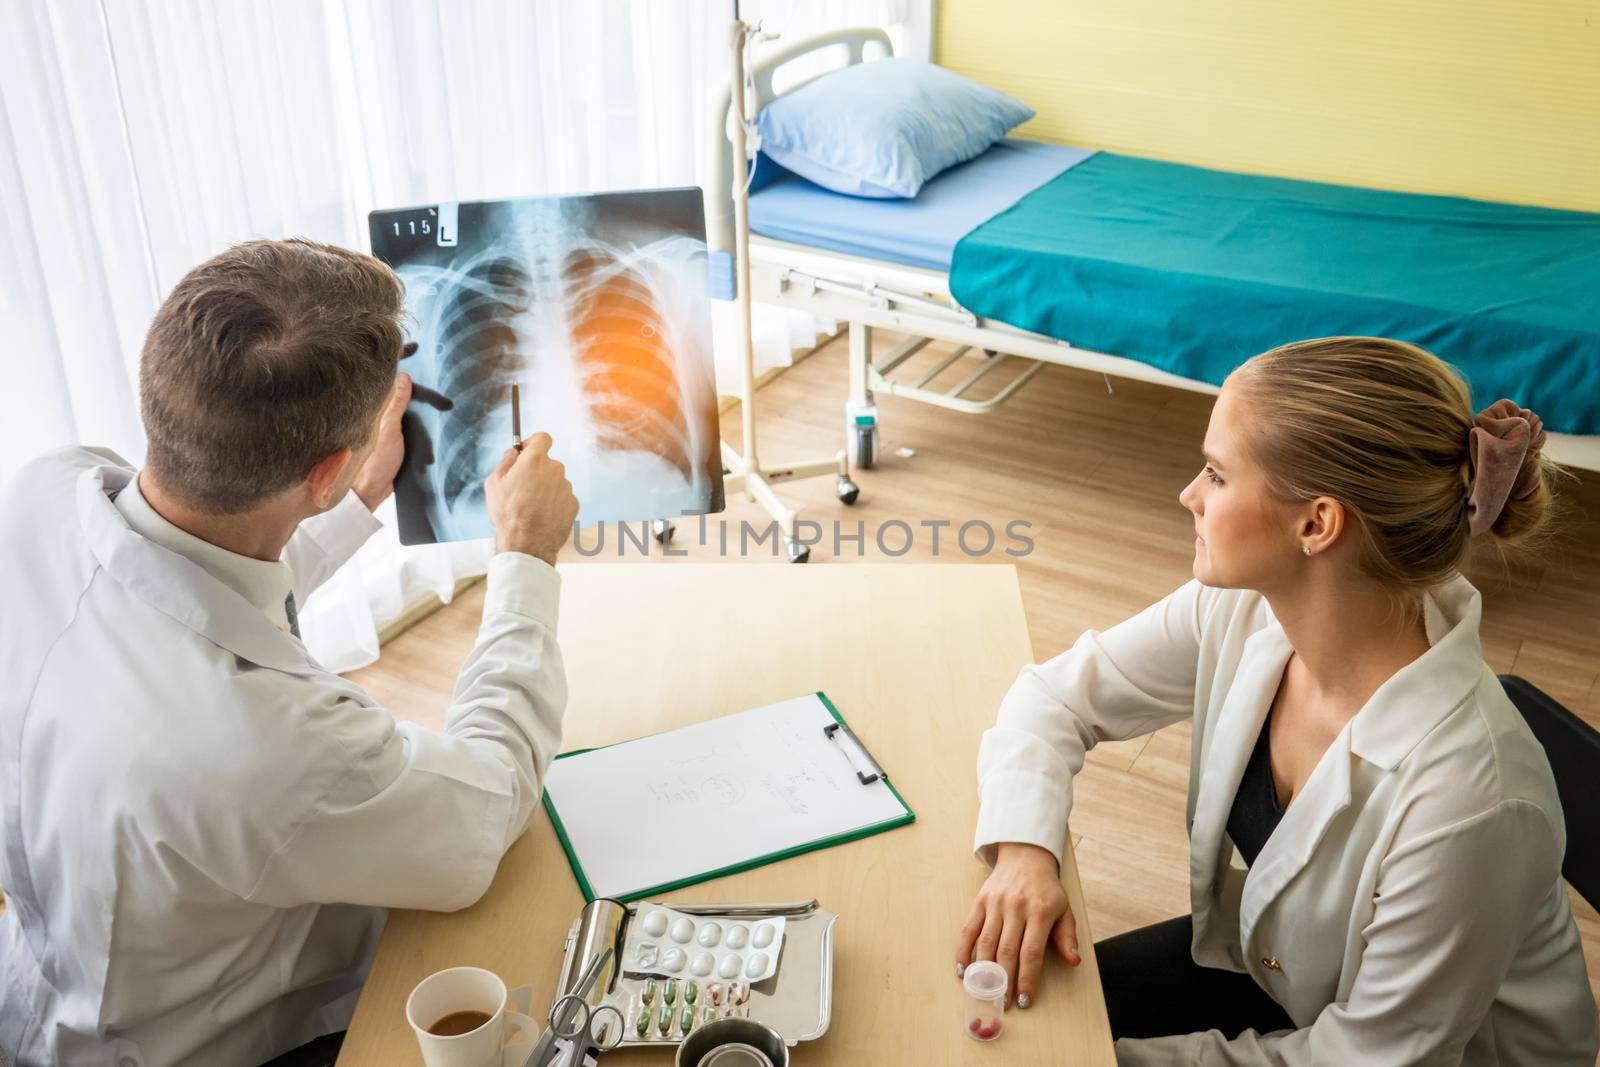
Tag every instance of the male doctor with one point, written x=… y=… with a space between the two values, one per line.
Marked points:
x=202 y=826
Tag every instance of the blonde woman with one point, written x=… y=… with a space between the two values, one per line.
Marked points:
x=1375 y=838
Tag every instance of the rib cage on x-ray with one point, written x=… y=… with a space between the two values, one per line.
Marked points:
x=604 y=344
x=629 y=373
x=475 y=323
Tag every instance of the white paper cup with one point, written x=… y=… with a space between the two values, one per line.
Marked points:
x=504 y=1041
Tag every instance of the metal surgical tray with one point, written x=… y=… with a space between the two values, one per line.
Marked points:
x=797 y=1001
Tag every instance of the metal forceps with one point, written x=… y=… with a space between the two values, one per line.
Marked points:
x=572 y=1021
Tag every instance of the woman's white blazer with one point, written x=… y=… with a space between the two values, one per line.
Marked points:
x=1409 y=909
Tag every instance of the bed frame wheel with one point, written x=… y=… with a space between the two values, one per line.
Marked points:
x=866 y=450
x=848 y=491
x=798 y=553
x=662 y=530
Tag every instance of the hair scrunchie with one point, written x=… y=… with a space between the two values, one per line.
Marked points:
x=1503 y=447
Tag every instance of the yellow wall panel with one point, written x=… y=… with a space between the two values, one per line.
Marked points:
x=1496 y=99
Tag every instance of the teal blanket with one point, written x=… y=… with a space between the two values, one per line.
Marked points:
x=1195 y=270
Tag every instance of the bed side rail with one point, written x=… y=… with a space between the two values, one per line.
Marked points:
x=721 y=167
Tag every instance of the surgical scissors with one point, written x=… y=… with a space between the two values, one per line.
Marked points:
x=572 y=1020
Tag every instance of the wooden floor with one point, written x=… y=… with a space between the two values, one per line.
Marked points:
x=1097 y=475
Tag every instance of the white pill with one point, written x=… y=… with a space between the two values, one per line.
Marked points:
x=709 y=935
x=655 y=924
x=703 y=962
x=730 y=966
x=674 y=960
x=757 y=966
x=682 y=931
x=763 y=936
x=737 y=936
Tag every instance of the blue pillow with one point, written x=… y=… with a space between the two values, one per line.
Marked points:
x=883 y=128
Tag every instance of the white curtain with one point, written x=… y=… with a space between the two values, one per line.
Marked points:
x=140 y=137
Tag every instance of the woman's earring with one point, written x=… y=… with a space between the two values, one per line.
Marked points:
x=1306 y=549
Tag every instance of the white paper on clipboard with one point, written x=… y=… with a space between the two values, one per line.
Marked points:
x=674 y=807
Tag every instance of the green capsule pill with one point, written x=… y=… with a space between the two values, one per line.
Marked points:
x=641 y=1025
x=649 y=991
x=686 y=1020
x=670 y=994
x=691 y=992
x=664 y=1023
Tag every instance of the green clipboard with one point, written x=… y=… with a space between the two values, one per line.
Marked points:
x=759 y=861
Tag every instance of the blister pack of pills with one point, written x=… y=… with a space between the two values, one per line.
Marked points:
x=671 y=944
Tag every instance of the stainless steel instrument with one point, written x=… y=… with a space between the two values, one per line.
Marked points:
x=572 y=1020
x=733 y=1043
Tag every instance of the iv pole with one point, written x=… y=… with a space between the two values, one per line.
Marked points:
x=745 y=472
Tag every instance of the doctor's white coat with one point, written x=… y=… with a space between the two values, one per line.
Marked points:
x=201 y=826
x=1409 y=908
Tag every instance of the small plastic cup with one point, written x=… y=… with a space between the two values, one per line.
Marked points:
x=986 y=986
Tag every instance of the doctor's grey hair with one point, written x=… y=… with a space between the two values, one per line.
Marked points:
x=1381 y=426
x=261 y=363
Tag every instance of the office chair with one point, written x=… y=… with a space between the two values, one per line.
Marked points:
x=1573 y=748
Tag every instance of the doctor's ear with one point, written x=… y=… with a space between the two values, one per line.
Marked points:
x=1322 y=521
x=324 y=480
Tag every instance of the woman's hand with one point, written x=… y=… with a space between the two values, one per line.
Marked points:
x=1020 y=908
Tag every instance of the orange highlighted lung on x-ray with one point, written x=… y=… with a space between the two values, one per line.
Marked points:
x=596 y=308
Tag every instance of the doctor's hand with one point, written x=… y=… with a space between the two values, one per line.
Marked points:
x=530 y=501
x=1020 y=909
x=375 y=481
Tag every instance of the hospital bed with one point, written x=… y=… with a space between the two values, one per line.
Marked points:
x=1065 y=248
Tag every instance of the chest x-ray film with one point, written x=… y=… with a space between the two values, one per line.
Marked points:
x=596 y=307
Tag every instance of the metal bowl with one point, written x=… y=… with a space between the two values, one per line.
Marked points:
x=733 y=1043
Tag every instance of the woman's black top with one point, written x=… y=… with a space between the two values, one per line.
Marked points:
x=1255 y=813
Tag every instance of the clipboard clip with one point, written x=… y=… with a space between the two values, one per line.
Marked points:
x=832 y=731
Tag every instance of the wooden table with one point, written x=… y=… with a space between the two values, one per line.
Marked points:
x=917 y=658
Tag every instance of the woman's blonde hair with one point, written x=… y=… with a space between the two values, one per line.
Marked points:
x=1382 y=427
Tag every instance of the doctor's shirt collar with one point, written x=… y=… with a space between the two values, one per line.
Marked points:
x=176 y=585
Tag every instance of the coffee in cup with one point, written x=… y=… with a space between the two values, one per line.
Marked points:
x=458 y=1022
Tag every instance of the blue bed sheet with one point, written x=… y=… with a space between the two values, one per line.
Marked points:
x=922 y=232
x=1195 y=270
